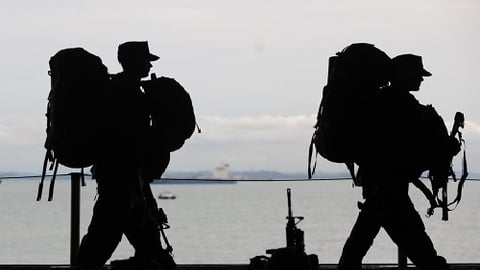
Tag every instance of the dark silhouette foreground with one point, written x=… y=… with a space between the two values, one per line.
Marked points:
x=400 y=150
x=122 y=207
x=368 y=117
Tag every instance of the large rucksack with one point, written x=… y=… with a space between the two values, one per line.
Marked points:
x=355 y=76
x=79 y=82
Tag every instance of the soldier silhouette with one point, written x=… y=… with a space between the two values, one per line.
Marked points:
x=121 y=206
x=395 y=159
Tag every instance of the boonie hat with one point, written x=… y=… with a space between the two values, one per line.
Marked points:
x=135 y=49
x=410 y=63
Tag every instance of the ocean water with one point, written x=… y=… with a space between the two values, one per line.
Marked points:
x=229 y=223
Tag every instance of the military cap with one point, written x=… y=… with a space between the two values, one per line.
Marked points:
x=409 y=63
x=135 y=49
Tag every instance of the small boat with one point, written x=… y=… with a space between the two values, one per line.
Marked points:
x=166 y=195
x=219 y=175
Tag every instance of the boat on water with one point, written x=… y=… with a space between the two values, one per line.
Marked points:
x=166 y=195
x=221 y=174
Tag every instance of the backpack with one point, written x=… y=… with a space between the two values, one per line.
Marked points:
x=171 y=111
x=79 y=81
x=172 y=123
x=344 y=118
x=441 y=147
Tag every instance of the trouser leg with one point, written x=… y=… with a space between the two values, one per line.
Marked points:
x=145 y=236
x=143 y=233
x=117 y=192
x=104 y=233
x=405 y=227
x=361 y=238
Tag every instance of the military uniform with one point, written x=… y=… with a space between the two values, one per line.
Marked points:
x=121 y=207
x=395 y=159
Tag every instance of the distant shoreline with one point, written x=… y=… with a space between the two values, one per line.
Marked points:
x=200 y=175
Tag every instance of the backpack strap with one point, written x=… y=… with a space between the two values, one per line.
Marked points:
x=459 y=122
x=44 y=173
x=443 y=201
x=199 y=130
x=311 y=171
x=54 y=166
x=351 y=170
x=52 y=181
x=463 y=177
x=82 y=177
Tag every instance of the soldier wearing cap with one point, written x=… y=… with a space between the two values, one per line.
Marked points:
x=135 y=57
x=408 y=72
x=120 y=207
x=396 y=158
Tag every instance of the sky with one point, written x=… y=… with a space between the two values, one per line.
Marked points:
x=254 y=68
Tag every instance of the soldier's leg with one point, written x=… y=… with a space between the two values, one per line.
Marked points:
x=361 y=238
x=103 y=235
x=144 y=235
x=405 y=227
x=110 y=217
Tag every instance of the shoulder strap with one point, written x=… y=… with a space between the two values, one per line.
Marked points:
x=463 y=177
x=52 y=181
x=351 y=170
x=311 y=171
x=44 y=173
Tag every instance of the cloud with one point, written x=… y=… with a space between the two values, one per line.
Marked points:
x=267 y=142
x=472 y=128
x=21 y=143
x=248 y=142
x=264 y=142
x=17 y=131
x=259 y=128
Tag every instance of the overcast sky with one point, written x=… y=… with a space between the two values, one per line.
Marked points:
x=254 y=68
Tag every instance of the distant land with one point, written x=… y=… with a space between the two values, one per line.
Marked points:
x=270 y=175
x=252 y=175
x=236 y=175
x=233 y=175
